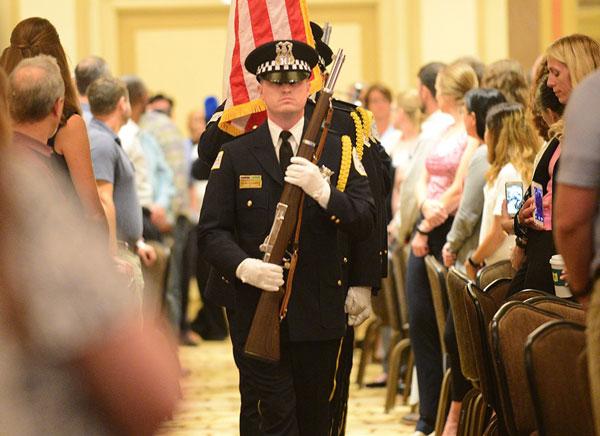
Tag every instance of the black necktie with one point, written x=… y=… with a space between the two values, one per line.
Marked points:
x=285 y=150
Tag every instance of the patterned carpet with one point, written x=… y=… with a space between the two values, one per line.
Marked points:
x=211 y=399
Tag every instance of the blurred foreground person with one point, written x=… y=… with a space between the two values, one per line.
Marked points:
x=73 y=360
x=577 y=231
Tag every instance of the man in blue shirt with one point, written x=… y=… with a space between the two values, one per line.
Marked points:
x=115 y=176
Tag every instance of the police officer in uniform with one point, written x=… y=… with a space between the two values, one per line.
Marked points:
x=365 y=260
x=244 y=187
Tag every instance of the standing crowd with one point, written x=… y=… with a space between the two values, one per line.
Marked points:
x=102 y=196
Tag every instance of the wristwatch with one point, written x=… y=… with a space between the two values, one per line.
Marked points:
x=474 y=264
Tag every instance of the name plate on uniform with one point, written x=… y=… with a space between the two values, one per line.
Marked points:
x=251 y=182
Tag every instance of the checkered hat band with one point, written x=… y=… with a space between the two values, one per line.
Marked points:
x=297 y=65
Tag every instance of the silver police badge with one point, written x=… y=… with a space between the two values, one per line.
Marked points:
x=283 y=53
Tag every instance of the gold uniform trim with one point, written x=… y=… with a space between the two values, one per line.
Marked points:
x=360 y=134
x=345 y=164
x=337 y=365
x=367 y=117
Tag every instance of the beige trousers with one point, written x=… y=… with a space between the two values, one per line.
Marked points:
x=136 y=286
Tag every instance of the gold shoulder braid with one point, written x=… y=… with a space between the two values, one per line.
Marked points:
x=345 y=163
x=367 y=117
x=360 y=134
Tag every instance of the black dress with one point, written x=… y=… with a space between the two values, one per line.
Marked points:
x=535 y=273
x=59 y=164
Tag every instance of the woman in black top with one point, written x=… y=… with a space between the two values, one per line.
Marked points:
x=568 y=60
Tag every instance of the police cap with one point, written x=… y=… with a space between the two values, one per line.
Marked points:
x=282 y=61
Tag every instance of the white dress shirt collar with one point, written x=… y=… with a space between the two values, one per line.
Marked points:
x=295 y=139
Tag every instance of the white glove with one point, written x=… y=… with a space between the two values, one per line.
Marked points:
x=262 y=275
x=307 y=176
x=358 y=304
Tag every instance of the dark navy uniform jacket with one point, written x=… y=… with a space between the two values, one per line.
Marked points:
x=236 y=219
x=368 y=256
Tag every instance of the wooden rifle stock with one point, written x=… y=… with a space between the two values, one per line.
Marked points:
x=263 y=340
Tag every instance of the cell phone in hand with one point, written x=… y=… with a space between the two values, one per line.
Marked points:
x=537 y=193
x=514 y=197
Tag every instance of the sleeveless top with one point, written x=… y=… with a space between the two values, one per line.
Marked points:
x=442 y=162
x=59 y=164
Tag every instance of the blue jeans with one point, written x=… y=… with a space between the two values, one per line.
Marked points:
x=424 y=336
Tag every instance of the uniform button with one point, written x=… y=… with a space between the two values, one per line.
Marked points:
x=332 y=217
x=254 y=127
x=345 y=260
x=385 y=251
x=337 y=221
x=249 y=203
x=339 y=283
x=380 y=253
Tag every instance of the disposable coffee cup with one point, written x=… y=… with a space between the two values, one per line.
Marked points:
x=561 y=288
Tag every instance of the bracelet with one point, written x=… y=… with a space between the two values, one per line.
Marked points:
x=474 y=264
x=421 y=232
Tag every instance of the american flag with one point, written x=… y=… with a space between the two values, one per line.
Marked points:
x=251 y=24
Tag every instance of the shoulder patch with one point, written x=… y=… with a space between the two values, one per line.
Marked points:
x=218 y=160
x=358 y=164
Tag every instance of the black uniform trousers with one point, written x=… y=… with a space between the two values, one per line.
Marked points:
x=424 y=336
x=291 y=397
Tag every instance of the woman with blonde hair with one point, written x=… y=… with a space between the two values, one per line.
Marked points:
x=70 y=144
x=512 y=146
x=438 y=193
x=408 y=121
x=568 y=60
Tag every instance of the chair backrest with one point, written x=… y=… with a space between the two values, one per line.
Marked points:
x=456 y=283
x=436 y=272
x=566 y=309
x=399 y=261
x=559 y=388
x=480 y=309
x=526 y=294
x=490 y=273
x=498 y=290
x=390 y=299
x=509 y=330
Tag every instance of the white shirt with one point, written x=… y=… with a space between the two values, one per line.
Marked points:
x=389 y=138
x=494 y=194
x=130 y=141
x=435 y=125
x=294 y=140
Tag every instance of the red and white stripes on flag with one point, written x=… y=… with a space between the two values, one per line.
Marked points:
x=251 y=24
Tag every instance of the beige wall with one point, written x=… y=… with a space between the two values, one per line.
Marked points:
x=177 y=46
